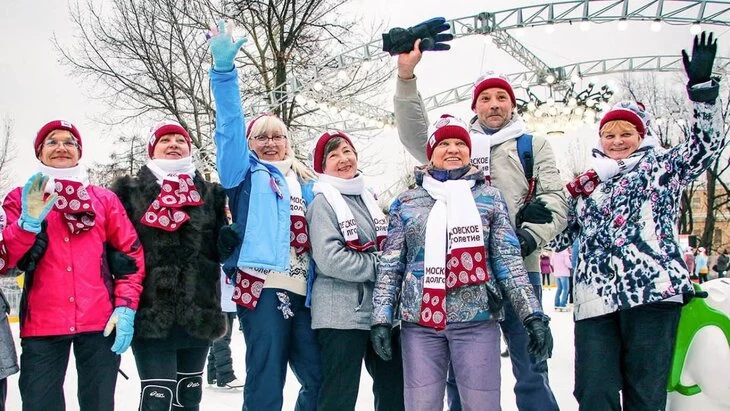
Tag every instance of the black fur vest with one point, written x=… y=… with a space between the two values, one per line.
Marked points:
x=182 y=282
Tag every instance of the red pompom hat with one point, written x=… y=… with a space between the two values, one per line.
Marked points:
x=445 y=127
x=55 y=125
x=626 y=114
x=162 y=128
x=492 y=81
x=318 y=157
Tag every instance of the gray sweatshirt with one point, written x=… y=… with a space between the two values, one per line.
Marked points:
x=343 y=290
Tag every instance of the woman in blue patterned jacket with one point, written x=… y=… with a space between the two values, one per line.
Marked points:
x=450 y=249
x=630 y=276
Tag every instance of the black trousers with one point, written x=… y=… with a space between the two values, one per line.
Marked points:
x=570 y=288
x=170 y=371
x=628 y=351
x=43 y=363
x=220 y=363
x=342 y=353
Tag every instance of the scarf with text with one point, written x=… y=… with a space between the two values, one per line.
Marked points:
x=455 y=252
x=177 y=190
x=299 y=237
x=482 y=143
x=333 y=188
x=73 y=199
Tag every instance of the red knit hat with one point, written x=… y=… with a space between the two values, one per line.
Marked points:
x=162 y=128
x=55 y=125
x=445 y=127
x=619 y=113
x=321 y=143
x=492 y=81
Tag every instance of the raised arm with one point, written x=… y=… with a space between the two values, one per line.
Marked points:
x=411 y=117
x=232 y=152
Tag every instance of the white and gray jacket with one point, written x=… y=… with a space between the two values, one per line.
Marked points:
x=506 y=169
x=342 y=296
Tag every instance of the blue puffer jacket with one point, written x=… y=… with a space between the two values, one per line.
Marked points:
x=260 y=213
x=628 y=252
x=400 y=273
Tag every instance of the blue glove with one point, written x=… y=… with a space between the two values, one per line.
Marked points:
x=222 y=47
x=34 y=208
x=123 y=319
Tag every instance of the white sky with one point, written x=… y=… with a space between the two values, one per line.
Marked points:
x=36 y=88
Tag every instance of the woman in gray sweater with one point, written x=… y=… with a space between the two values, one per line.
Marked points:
x=346 y=229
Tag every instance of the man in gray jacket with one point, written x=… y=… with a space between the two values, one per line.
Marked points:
x=494 y=132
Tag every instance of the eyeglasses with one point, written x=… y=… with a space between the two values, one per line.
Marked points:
x=262 y=139
x=51 y=143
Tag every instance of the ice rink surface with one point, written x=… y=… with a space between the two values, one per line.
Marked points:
x=217 y=399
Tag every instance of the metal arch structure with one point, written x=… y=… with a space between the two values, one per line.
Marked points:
x=496 y=24
x=527 y=79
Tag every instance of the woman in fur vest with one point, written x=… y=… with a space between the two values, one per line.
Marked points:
x=177 y=215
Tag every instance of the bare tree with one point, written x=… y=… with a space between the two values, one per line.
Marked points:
x=148 y=59
x=7 y=152
x=667 y=101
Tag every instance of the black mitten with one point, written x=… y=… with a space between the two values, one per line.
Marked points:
x=527 y=243
x=228 y=240
x=699 y=68
x=120 y=264
x=541 y=339
x=380 y=337
x=399 y=40
x=32 y=257
x=534 y=212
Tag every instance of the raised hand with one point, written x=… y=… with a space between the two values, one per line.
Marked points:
x=699 y=68
x=34 y=207
x=222 y=47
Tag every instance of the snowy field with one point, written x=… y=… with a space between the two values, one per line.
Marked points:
x=216 y=399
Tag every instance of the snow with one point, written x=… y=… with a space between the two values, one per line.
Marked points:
x=127 y=391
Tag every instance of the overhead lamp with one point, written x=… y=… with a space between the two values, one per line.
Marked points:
x=656 y=26
x=695 y=28
x=519 y=31
x=318 y=86
x=622 y=25
x=585 y=25
x=550 y=79
x=342 y=75
x=550 y=28
x=525 y=83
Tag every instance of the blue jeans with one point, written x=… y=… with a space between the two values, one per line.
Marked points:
x=532 y=389
x=561 y=297
x=272 y=343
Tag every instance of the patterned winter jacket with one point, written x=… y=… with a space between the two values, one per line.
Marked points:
x=400 y=275
x=628 y=253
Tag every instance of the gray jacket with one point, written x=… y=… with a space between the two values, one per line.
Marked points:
x=506 y=170
x=8 y=356
x=342 y=295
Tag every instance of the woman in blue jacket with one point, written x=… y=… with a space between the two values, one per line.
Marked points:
x=268 y=191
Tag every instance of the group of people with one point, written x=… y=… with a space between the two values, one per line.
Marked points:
x=323 y=280
x=698 y=263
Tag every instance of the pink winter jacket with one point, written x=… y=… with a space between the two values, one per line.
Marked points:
x=73 y=290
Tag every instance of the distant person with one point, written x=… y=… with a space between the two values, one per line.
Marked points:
x=562 y=269
x=701 y=264
x=689 y=260
x=546 y=268
x=220 y=362
x=722 y=263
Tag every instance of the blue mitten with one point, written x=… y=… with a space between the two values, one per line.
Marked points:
x=34 y=207
x=123 y=319
x=222 y=47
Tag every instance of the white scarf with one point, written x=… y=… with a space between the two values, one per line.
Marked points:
x=171 y=169
x=333 y=188
x=456 y=216
x=76 y=173
x=482 y=143
x=607 y=168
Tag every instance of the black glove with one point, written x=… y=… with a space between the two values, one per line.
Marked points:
x=32 y=257
x=534 y=212
x=120 y=264
x=399 y=40
x=541 y=340
x=699 y=69
x=380 y=336
x=228 y=240
x=527 y=243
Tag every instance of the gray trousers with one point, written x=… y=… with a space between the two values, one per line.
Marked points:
x=473 y=350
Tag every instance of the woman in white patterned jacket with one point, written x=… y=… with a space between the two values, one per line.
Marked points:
x=630 y=276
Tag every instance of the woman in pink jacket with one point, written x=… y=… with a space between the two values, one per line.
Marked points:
x=70 y=298
x=561 y=269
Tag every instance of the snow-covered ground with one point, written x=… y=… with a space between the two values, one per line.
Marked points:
x=127 y=391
